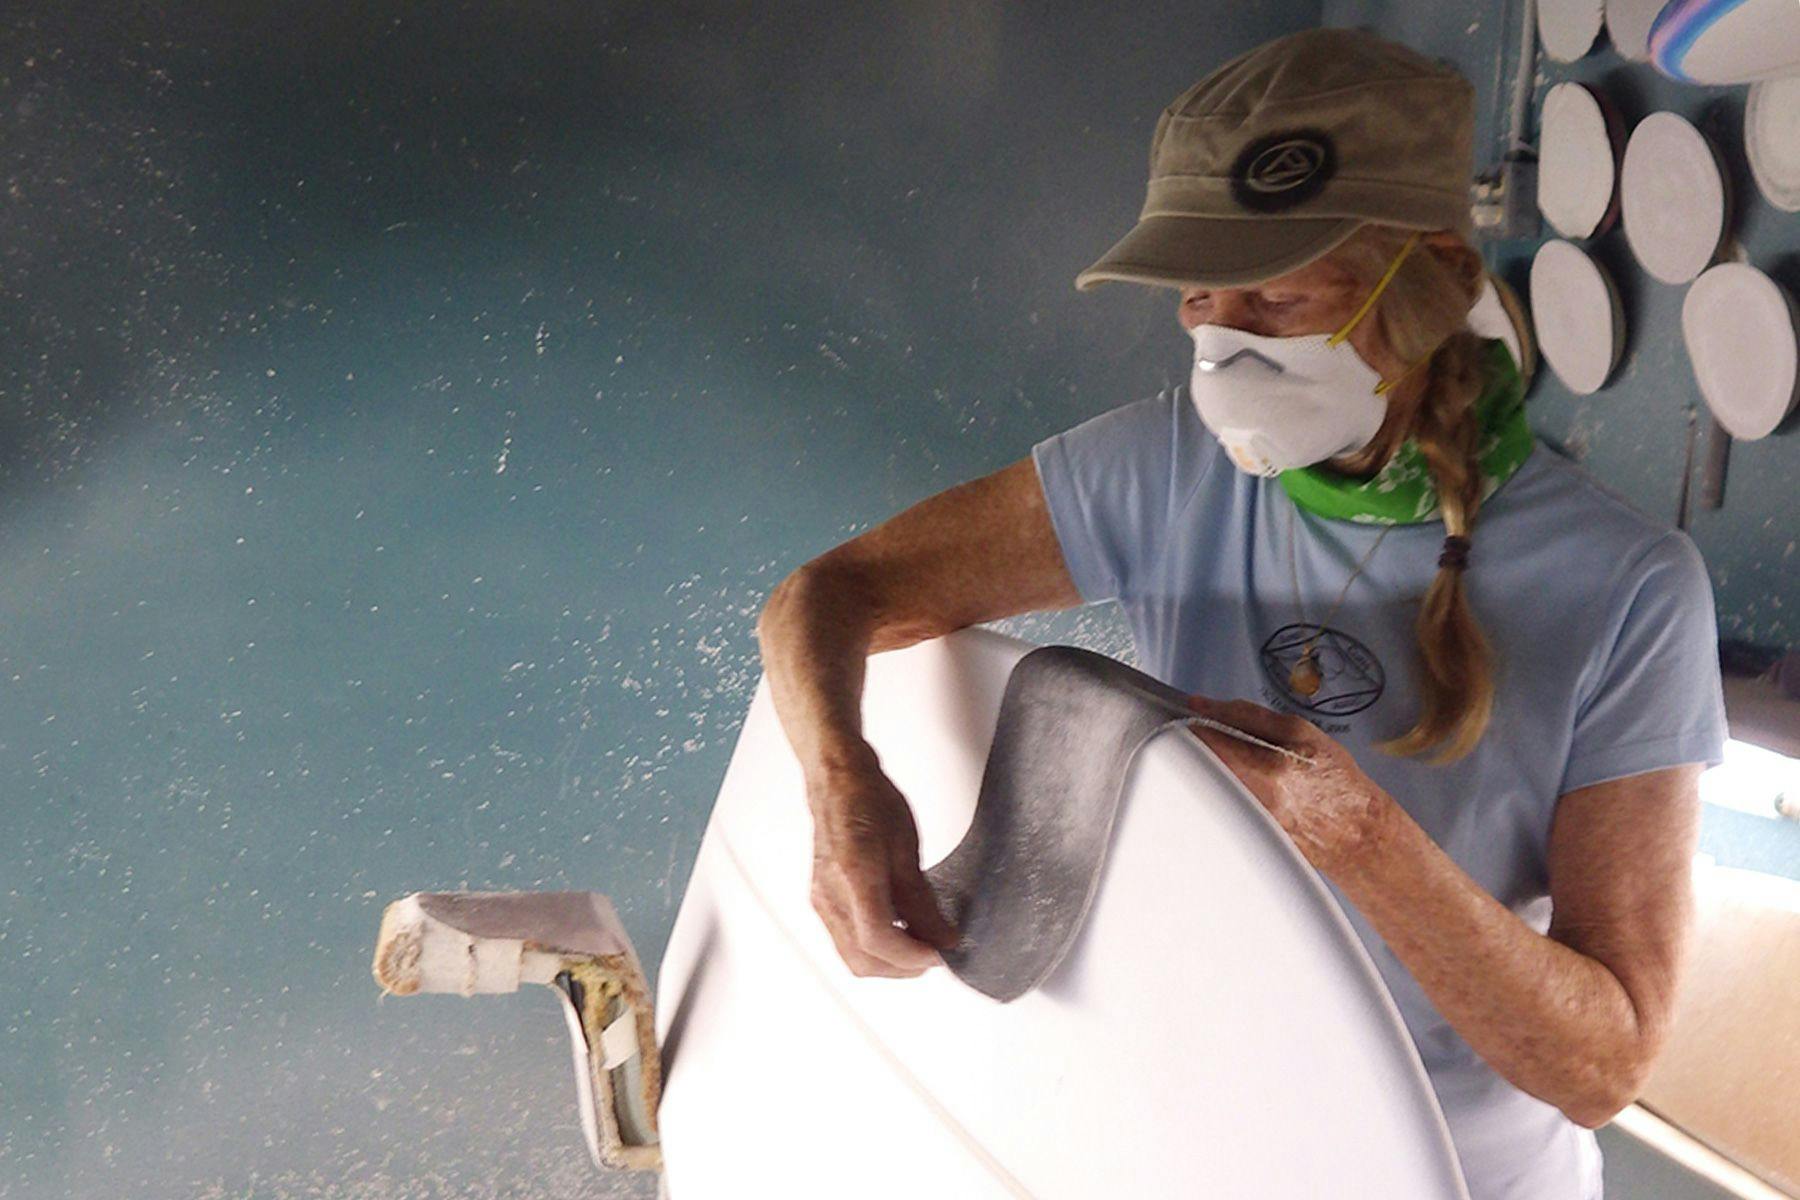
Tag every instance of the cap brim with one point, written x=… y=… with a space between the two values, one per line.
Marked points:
x=1216 y=251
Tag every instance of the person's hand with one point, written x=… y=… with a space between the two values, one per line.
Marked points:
x=1328 y=808
x=866 y=875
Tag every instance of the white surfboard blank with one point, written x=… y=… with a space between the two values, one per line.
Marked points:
x=1216 y=1027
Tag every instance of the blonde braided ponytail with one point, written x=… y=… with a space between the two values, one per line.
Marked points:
x=1427 y=306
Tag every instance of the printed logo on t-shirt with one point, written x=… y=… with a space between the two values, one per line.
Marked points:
x=1349 y=677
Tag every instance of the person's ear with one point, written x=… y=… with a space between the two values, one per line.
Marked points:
x=1463 y=259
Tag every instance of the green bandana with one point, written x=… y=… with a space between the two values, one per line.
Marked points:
x=1402 y=493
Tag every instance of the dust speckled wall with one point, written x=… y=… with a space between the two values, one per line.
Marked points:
x=404 y=411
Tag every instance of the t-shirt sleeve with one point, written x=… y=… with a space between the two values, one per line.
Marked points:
x=1658 y=700
x=1113 y=485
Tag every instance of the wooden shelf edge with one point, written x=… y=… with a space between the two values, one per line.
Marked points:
x=1696 y=1155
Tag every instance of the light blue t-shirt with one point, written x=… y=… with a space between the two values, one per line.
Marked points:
x=1605 y=646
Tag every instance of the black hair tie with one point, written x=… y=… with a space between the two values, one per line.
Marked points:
x=1455 y=553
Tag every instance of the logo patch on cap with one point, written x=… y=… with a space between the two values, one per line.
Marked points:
x=1284 y=169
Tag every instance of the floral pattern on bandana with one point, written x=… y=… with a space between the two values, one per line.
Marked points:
x=1402 y=492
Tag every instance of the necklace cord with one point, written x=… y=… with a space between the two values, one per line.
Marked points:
x=1294 y=572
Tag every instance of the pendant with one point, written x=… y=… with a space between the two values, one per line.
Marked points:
x=1304 y=676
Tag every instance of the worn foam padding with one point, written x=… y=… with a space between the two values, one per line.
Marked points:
x=1579 y=140
x=1742 y=332
x=1567 y=28
x=1772 y=140
x=1579 y=318
x=468 y=943
x=1214 y=1027
x=1022 y=878
x=1673 y=196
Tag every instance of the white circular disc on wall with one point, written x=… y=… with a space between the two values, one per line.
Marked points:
x=1576 y=311
x=1578 y=157
x=1628 y=25
x=1568 y=28
x=1739 y=326
x=1498 y=314
x=1672 y=195
x=1772 y=140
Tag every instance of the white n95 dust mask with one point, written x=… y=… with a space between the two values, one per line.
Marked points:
x=1277 y=403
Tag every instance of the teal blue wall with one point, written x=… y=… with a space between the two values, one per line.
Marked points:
x=404 y=411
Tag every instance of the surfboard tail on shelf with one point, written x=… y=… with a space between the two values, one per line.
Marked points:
x=469 y=943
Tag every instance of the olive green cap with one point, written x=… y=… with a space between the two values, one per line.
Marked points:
x=1285 y=151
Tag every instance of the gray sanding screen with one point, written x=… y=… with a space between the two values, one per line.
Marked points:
x=1021 y=880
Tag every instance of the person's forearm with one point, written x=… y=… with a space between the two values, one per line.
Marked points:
x=815 y=636
x=1552 y=1021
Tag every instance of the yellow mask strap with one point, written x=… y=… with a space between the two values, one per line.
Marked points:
x=1385 y=384
x=1375 y=295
